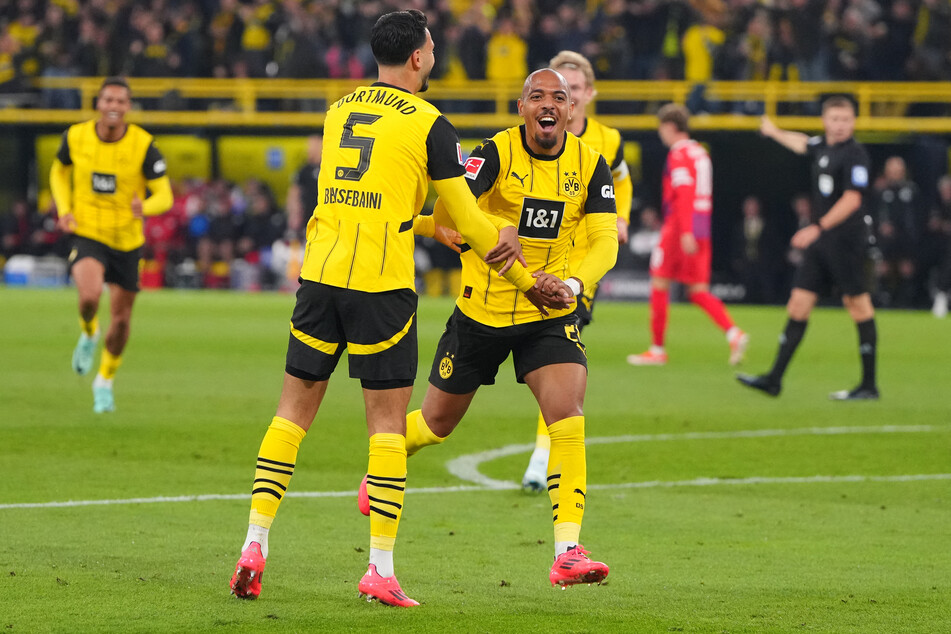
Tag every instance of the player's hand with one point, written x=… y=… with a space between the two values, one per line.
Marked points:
x=549 y=292
x=66 y=223
x=449 y=237
x=621 y=230
x=767 y=128
x=508 y=250
x=805 y=236
x=688 y=244
x=136 y=206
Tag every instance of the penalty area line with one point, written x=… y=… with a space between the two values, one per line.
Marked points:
x=654 y=484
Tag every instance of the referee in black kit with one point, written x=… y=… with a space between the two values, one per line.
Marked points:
x=835 y=244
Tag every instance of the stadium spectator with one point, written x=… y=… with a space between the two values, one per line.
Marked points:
x=754 y=247
x=900 y=218
x=835 y=245
x=939 y=227
x=685 y=249
x=302 y=194
x=99 y=180
x=645 y=237
x=506 y=52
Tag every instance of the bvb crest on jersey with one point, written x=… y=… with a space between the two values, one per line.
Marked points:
x=445 y=367
x=571 y=186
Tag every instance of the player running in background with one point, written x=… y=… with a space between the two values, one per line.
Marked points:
x=382 y=145
x=684 y=251
x=835 y=245
x=106 y=176
x=577 y=71
x=546 y=180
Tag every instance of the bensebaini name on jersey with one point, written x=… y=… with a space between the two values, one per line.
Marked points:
x=353 y=198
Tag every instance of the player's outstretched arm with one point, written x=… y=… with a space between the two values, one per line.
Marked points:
x=457 y=201
x=602 y=248
x=798 y=142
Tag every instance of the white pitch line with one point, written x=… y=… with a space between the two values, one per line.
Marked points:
x=466 y=467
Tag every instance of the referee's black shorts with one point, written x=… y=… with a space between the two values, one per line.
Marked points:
x=837 y=260
x=469 y=353
x=122 y=267
x=378 y=330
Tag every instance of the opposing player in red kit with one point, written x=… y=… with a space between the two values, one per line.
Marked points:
x=683 y=254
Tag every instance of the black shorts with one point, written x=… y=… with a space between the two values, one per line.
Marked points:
x=835 y=261
x=122 y=267
x=584 y=306
x=378 y=330
x=469 y=353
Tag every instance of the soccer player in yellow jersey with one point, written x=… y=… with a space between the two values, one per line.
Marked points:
x=107 y=175
x=382 y=145
x=544 y=180
x=577 y=71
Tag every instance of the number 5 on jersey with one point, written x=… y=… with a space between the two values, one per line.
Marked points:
x=363 y=143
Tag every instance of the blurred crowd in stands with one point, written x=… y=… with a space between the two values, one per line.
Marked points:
x=697 y=40
x=225 y=235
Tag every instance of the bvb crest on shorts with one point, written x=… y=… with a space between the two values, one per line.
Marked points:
x=445 y=367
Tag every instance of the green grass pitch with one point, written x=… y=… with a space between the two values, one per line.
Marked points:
x=718 y=509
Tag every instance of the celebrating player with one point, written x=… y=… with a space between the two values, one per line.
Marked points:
x=607 y=141
x=382 y=144
x=99 y=181
x=835 y=244
x=545 y=180
x=684 y=251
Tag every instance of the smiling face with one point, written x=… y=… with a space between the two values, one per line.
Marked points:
x=546 y=108
x=113 y=103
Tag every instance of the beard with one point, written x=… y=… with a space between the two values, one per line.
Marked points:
x=546 y=142
x=425 y=85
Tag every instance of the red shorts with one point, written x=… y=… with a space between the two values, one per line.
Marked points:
x=670 y=262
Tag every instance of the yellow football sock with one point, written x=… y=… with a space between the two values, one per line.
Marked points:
x=109 y=364
x=542 y=439
x=418 y=433
x=89 y=327
x=276 y=460
x=567 y=450
x=386 y=483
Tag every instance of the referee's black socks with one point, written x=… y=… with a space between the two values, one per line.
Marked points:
x=868 y=342
x=788 y=342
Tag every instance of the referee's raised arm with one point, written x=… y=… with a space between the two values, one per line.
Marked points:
x=796 y=141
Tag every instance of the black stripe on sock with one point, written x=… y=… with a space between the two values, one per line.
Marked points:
x=374 y=509
x=280 y=464
x=381 y=478
x=554 y=476
x=267 y=490
x=273 y=470
x=394 y=487
x=554 y=507
x=396 y=504
x=274 y=482
x=554 y=486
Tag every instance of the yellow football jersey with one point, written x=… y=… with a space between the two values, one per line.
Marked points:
x=607 y=141
x=545 y=197
x=381 y=147
x=105 y=177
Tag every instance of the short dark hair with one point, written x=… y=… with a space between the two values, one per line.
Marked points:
x=838 y=101
x=396 y=35
x=676 y=114
x=115 y=81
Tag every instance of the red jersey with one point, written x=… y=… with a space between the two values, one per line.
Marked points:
x=688 y=190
